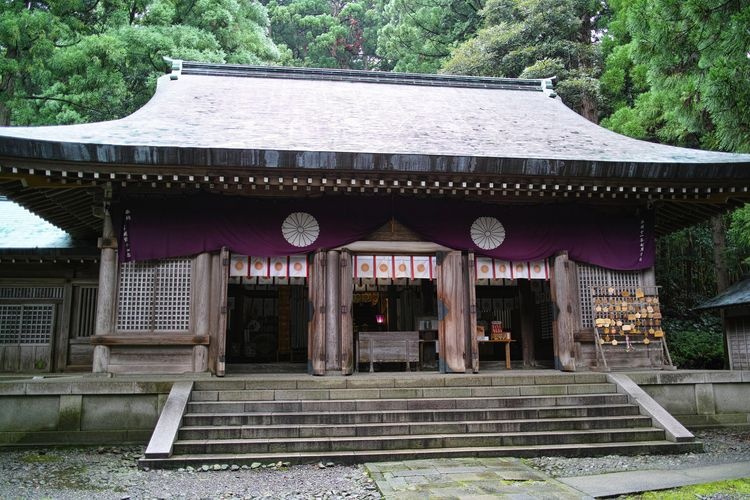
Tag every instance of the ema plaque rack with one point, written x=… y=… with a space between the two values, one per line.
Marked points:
x=629 y=320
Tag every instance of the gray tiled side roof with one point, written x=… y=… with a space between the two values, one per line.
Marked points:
x=20 y=228
x=736 y=295
x=264 y=114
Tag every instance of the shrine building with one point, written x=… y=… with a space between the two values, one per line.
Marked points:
x=339 y=220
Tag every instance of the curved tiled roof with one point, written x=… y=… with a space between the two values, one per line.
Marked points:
x=225 y=128
x=219 y=115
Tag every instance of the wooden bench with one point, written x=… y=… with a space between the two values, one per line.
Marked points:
x=388 y=347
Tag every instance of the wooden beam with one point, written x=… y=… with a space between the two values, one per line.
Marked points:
x=159 y=339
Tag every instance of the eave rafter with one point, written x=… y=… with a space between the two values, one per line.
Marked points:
x=65 y=193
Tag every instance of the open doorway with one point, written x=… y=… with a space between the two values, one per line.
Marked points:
x=267 y=325
x=520 y=309
x=396 y=310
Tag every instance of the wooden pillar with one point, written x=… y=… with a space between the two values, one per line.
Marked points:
x=61 y=345
x=333 y=312
x=648 y=277
x=107 y=294
x=316 y=340
x=566 y=318
x=527 y=322
x=202 y=310
x=471 y=307
x=451 y=314
x=346 y=288
x=217 y=334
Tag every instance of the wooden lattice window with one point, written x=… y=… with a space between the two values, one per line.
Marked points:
x=155 y=295
x=594 y=276
x=738 y=343
x=31 y=292
x=26 y=323
x=84 y=311
x=543 y=310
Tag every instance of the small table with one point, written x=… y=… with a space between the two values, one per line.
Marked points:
x=507 y=349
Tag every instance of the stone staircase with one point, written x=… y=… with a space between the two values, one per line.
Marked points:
x=406 y=416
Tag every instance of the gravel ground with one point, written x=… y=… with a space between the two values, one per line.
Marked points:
x=111 y=473
x=721 y=446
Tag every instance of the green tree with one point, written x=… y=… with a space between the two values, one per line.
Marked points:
x=538 y=38
x=327 y=33
x=419 y=35
x=677 y=71
x=86 y=60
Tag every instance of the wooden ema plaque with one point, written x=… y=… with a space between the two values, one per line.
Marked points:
x=627 y=316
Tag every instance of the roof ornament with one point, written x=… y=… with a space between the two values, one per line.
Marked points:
x=175 y=66
x=548 y=86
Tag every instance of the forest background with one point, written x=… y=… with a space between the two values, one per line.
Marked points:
x=669 y=71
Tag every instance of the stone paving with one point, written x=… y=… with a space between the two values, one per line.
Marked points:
x=466 y=479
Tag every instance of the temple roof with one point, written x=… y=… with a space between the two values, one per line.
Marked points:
x=255 y=116
x=250 y=130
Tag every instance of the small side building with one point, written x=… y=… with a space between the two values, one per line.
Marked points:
x=734 y=302
x=48 y=288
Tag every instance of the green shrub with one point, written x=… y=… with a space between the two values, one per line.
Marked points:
x=696 y=343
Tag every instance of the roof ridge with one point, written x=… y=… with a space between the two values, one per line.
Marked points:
x=352 y=75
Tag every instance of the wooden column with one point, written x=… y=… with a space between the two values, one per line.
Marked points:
x=107 y=294
x=346 y=289
x=471 y=307
x=527 y=322
x=61 y=344
x=333 y=312
x=316 y=340
x=649 y=278
x=566 y=315
x=451 y=314
x=219 y=282
x=202 y=309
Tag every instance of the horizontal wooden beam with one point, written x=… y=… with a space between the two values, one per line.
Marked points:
x=156 y=339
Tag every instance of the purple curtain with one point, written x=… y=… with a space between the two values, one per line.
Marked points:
x=616 y=238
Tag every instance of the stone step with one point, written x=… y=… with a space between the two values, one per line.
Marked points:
x=268 y=418
x=402 y=404
x=395 y=429
x=401 y=380
x=479 y=440
x=567 y=450
x=399 y=393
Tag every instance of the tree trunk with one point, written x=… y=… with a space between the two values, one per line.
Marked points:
x=719 y=237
